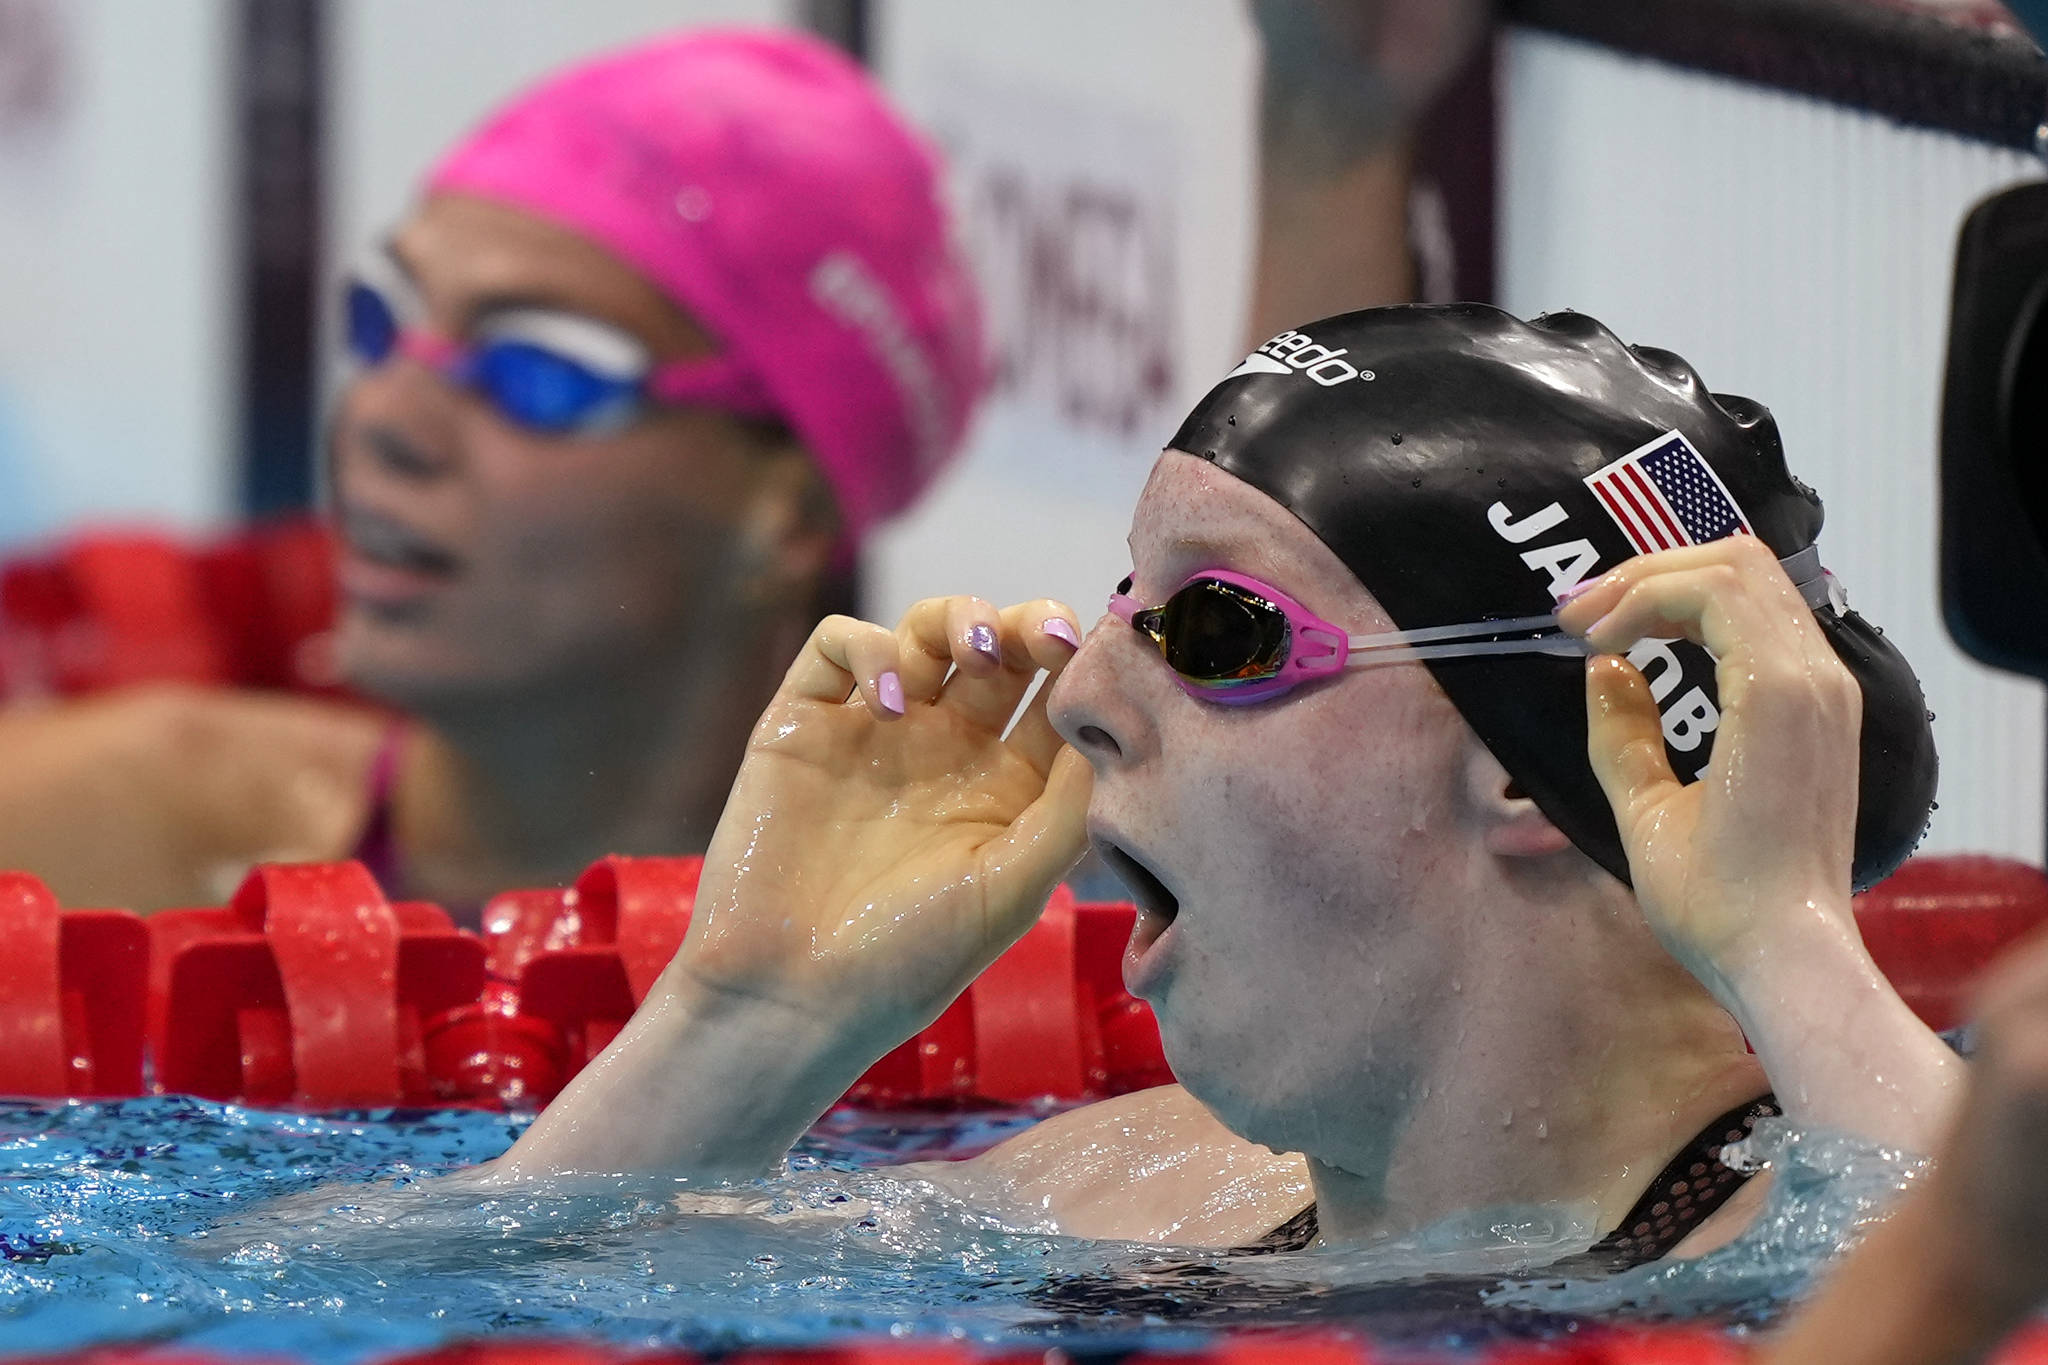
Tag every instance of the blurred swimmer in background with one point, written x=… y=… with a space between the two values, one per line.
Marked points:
x=1345 y=221
x=1437 y=914
x=659 y=344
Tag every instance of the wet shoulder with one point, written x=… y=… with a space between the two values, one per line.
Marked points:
x=198 y=783
x=202 y=732
x=262 y=775
x=1155 y=1166
x=245 y=776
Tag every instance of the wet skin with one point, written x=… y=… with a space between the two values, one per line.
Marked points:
x=1386 y=960
x=1375 y=946
x=1361 y=941
x=1242 y=816
x=480 y=556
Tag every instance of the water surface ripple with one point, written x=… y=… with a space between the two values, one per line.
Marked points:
x=171 y=1219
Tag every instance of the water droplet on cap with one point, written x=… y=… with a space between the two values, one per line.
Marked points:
x=693 y=203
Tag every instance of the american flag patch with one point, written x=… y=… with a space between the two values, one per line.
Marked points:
x=1663 y=495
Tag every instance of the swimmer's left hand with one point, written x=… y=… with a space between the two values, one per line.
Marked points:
x=1771 y=823
x=1744 y=875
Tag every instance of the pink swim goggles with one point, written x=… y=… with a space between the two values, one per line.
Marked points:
x=1233 y=640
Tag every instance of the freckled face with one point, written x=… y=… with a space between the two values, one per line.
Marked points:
x=1301 y=847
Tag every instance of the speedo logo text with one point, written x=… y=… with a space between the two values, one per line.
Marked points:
x=1298 y=351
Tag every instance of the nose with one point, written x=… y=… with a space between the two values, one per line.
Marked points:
x=1098 y=705
x=397 y=421
x=399 y=454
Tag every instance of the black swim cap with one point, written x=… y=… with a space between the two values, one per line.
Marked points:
x=1467 y=466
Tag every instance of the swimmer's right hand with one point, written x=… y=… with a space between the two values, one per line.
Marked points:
x=885 y=838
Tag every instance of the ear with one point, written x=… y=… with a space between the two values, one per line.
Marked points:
x=792 y=526
x=1510 y=824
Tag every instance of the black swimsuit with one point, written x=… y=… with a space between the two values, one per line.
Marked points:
x=1694 y=1184
x=1173 y=1288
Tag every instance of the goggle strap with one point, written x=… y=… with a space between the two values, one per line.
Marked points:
x=1817 y=587
x=720 y=382
x=1470 y=630
x=1559 y=646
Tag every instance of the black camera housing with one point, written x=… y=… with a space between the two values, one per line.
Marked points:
x=1994 y=435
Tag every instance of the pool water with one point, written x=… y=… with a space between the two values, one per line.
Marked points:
x=177 y=1220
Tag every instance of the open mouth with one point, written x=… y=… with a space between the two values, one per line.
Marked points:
x=1144 y=957
x=1151 y=894
x=381 y=540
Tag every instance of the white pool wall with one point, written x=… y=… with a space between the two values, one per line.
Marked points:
x=116 y=388
x=1151 y=104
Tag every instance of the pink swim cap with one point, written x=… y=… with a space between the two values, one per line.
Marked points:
x=758 y=178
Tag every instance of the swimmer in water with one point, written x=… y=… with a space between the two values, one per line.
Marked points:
x=1479 y=916
x=659 y=344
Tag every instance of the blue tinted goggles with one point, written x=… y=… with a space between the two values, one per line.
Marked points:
x=544 y=369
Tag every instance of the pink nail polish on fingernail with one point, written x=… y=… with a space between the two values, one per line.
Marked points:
x=889 y=688
x=982 y=640
x=1578 y=589
x=1061 y=631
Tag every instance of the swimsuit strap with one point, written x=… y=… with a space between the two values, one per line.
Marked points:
x=1691 y=1186
x=1695 y=1183
x=1298 y=1233
x=377 y=846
